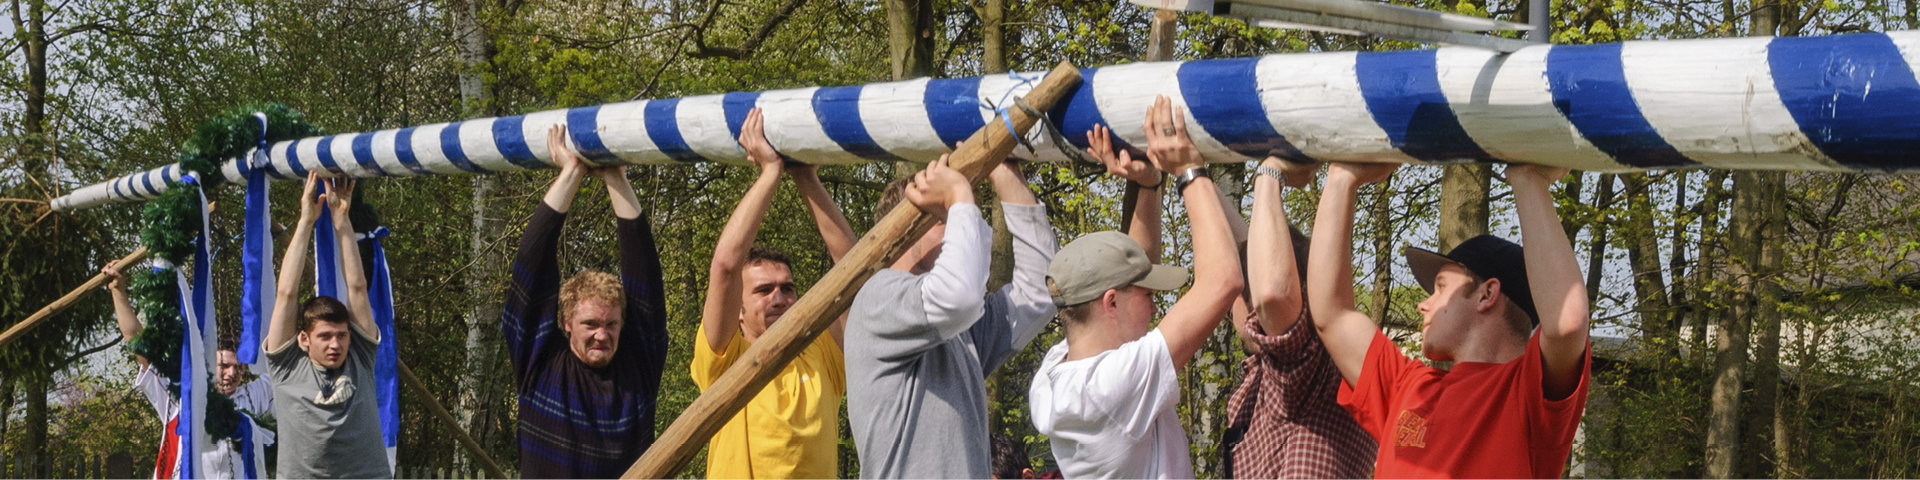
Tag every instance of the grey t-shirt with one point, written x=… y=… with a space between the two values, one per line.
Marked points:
x=335 y=436
x=918 y=348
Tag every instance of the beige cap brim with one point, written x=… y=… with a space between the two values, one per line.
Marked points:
x=1163 y=278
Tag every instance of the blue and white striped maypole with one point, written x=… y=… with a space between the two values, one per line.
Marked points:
x=1832 y=103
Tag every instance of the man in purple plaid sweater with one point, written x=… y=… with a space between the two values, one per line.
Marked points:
x=587 y=353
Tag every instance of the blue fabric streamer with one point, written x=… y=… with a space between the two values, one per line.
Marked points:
x=245 y=435
x=256 y=255
x=386 y=365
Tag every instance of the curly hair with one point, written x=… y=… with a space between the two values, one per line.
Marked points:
x=591 y=285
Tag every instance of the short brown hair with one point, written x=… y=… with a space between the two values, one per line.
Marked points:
x=1072 y=316
x=322 y=308
x=591 y=285
x=1518 y=320
x=891 y=197
x=764 y=254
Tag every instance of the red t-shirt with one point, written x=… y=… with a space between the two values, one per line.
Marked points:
x=1480 y=420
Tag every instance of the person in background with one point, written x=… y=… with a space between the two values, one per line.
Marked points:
x=1106 y=396
x=587 y=352
x=791 y=429
x=924 y=333
x=1509 y=406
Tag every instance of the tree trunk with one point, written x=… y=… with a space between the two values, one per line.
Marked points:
x=1380 y=214
x=1766 y=328
x=482 y=355
x=909 y=51
x=1643 y=254
x=1463 y=203
x=1597 y=255
x=1750 y=214
x=35 y=116
x=35 y=447
x=910 y=38
x=1711 y=250
x=993 y=36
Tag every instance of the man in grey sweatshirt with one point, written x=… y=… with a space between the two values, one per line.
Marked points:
x=923 y=335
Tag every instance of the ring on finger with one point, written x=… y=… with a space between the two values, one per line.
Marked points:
x=1168 y=131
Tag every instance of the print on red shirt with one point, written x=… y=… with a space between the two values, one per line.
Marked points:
x=1412 y=431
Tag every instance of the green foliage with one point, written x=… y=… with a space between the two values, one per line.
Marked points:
x=172 y=223
x=235 y=131
x=155 y=294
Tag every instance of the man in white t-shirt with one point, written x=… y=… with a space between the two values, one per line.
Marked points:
x=253 y=399
x=1106 y=395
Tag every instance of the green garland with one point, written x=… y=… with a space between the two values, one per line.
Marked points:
x=231 y=133
x=173 y=224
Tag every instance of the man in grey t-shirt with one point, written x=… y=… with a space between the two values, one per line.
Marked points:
x=923 y=334
x=323 y=388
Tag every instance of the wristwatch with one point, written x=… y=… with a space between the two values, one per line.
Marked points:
x=1187 y=176
x=1271 y=172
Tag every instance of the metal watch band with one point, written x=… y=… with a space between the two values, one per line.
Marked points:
x=1187 y=176
x=1271 y=172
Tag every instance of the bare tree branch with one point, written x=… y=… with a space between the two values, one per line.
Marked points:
x=746 y=48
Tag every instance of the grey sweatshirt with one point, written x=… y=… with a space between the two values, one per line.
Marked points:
x=919 y=348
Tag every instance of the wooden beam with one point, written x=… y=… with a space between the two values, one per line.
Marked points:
x=20 y=329
x=1160 y=42
x=420 y=390
x=834 y=293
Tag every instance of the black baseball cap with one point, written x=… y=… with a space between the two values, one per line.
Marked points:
x=1487 y=256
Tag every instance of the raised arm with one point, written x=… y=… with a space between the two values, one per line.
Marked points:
x=834 y=229
x=1558 y=292
x=1216 y=260
x=954 y=289
x=720 y=316
x=1144 y=227
x=1272 y=273
x=339 y=199
x=282 y=326
x=1030 y=307
x=565 y=185
x=1344 y=330
x=123 y=306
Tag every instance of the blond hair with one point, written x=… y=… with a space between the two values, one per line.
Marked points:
x=591 y=285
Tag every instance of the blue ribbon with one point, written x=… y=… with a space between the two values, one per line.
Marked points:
x=245 y=435
x=196 y=305
x=256 y=254
x=386 y=365
x=326 y=253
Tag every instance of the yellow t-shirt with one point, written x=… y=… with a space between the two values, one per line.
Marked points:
x=792 y=428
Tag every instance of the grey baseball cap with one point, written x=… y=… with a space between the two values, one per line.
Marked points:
x=1101 y=261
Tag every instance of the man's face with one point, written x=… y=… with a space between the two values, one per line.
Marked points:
x=593 y=332
x=326 y=343
x=769 y=292
x=1447 y=312
x=231 y=372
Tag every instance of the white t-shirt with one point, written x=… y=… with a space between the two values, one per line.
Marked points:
x=1112 y=415
x=225 y=461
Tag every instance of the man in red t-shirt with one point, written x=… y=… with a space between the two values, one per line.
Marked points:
x=1509 y=406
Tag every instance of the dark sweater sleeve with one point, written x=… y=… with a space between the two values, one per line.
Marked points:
x=528 y=317
x=645 y=331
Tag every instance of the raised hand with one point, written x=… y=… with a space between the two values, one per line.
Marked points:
x=1523 y=174
x=557 y=149
x=939 y=188
x=1168 y=146
x=1362 y=173
x=753 y=139
x=339 y=197
x=1100 y=145
x=1298 y=174
x=311 y=205
x=116 y=280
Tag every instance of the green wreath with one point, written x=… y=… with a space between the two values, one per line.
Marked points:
x=173 y=224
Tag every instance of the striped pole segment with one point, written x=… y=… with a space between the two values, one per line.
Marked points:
x=1833 y=103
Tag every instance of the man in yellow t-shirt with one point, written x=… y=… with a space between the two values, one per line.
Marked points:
x=791 y=429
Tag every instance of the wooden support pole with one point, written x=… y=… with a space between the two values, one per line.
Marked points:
x=473 y=447
x=834 y=293
x=1160 y=39
x=20 y=329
